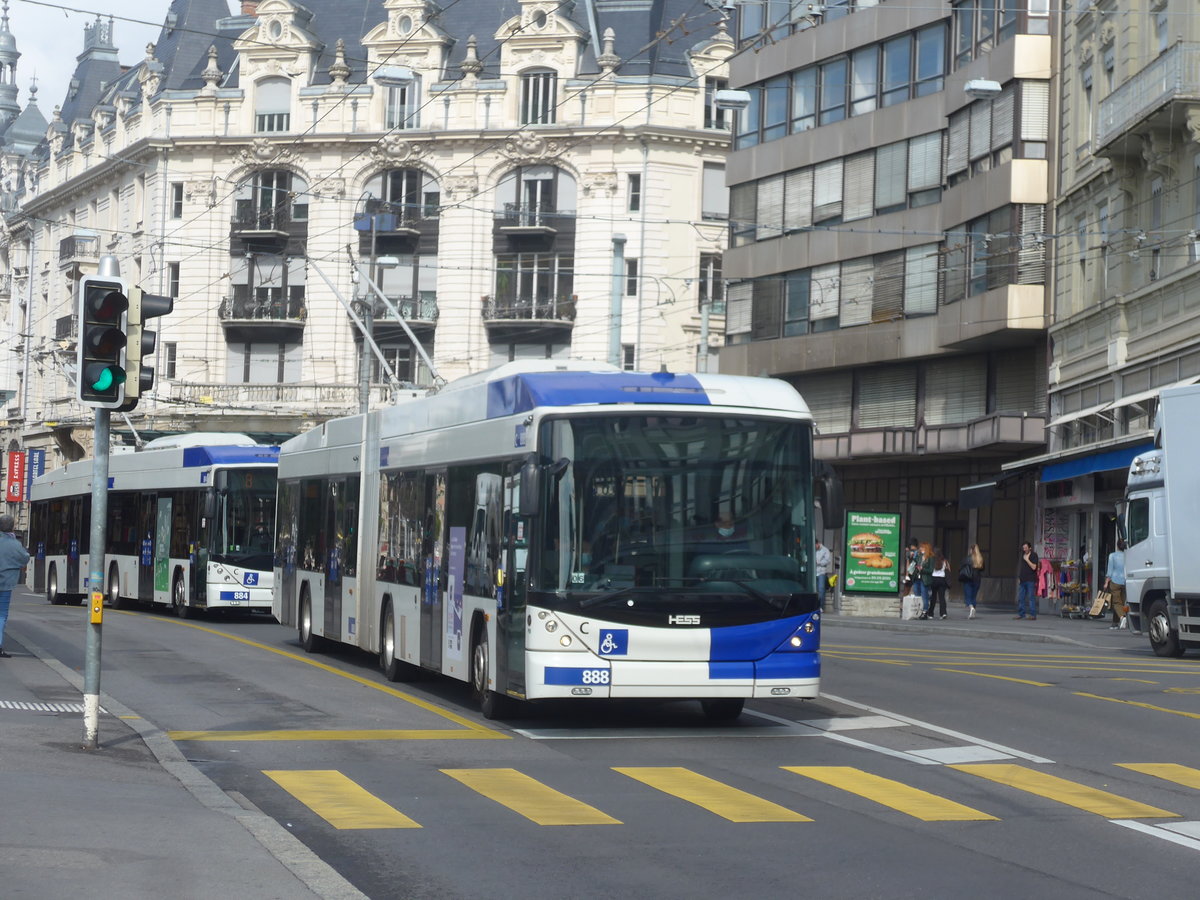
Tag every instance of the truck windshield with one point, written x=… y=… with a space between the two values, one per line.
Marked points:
x=676 y=507
x=245 y=521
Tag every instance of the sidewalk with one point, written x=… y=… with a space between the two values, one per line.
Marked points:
x=995 y=623
x=131 y=819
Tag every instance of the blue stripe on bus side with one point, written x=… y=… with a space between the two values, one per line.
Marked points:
x=747 y=642
x=206 y=456
x=741 y=671
x=521 y=393
x=789 y=665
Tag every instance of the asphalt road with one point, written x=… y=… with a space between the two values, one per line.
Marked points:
x=931 y=767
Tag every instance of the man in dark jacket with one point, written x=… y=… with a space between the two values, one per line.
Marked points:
x=1027 y=569
x=13 y=558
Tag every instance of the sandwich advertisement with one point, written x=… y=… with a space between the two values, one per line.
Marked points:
x=871 y=558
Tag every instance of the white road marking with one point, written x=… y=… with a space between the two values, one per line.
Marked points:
x=1164 y=832
x=852 y=723
x=948 y=756
x=957 y=735
x=1187 y=829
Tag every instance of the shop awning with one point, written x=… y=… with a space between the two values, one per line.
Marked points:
x=1094 y=462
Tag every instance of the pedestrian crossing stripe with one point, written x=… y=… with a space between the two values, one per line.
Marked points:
x=338 y=800
x=537 y=802
x=901 y=797
x=1080 y=796
x=722 y=799
x=1172 y=772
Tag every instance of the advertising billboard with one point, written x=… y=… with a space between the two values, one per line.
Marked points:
x=871 y=557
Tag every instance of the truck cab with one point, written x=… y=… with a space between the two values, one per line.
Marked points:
x=1147 y=554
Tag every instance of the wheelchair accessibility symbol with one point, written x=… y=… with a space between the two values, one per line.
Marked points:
x=614 y=642
x=250 y=578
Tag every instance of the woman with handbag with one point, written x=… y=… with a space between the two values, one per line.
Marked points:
x=970 y=574
x=937 y=570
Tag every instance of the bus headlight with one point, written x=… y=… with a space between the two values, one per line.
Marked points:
x=809 y=627
x=796 y=641
x=552 y=625
x=565 y=640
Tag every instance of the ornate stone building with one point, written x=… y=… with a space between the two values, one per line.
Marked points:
x=509 y=171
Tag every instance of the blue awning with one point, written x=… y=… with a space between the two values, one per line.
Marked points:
x=1095 y=462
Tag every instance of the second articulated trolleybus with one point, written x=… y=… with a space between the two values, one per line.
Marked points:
x=560 y=530
x=191 y=523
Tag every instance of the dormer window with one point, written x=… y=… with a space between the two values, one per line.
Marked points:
x=402 y=87
x=539 y=97
x=273 y=105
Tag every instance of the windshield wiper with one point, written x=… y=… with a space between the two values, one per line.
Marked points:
x=597 y=599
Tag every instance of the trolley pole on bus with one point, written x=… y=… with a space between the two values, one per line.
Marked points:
x=98 y=540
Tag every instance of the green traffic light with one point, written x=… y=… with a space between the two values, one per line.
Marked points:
x=105 y=381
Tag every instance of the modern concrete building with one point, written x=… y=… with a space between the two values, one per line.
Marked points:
x=511 y=172
x=1127 y=291
x=890 y=206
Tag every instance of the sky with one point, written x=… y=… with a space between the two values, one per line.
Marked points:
x=49 y=38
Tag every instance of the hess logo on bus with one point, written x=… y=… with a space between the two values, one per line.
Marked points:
x=683 y=620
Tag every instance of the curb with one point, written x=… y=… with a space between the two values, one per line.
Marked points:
x=913 y=627
x=312 y=871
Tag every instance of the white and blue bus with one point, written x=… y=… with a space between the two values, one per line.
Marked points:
x=551 y=529
x=191 y=522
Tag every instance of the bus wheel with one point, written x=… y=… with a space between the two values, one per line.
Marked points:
x=114 y=588
x=52 y=593
x=491 y=704
x=722 y=709
x=179 y=598
x=1163 y=639
x=309 y=641
x=393 y=669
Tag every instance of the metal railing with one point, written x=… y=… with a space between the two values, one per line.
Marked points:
x=527 y=308
x=1174 y=75
x=323 y=399
x=413 y=309
x=527 y=215
x=249 y=217
x=79 y=246
x=241 y=308
x=66 y=327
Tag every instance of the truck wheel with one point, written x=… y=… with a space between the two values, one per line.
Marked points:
x=1163 y=638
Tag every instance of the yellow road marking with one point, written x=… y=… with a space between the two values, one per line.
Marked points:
x=535 y=801
x=1138 y=680
x=909 y=800
x=483 y=731
x=365 y=734
x=1000 y=677
x=1173 y=772
x=1041 y=784
x=338 y=800
x=1150 y=706
x=726 y=801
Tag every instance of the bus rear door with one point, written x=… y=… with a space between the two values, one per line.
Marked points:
x=433 y=581
x=510 y=618
x=147 y=520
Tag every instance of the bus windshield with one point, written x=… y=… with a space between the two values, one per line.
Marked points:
x=676 y=509
x=245 y=520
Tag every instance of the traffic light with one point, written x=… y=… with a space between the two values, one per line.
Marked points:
x=103 y=321
x=142 y=306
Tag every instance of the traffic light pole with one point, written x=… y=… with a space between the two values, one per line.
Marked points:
x=98 y=540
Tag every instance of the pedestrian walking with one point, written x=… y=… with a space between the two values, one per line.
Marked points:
x=1114 y=582
x=1027 y=576
x=822 y=567
x=914 y=559
x=938 y=569
x=13 y=558
x=970 y=573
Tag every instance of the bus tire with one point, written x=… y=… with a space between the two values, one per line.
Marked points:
x=722 y=709
x=491 y=704
x=309 y=641
x=1163 y=638
x=179 y=598
x=114 y=588
x=52 y=594
x=393 y=669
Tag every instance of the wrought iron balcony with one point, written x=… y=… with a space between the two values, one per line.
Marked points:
x=527 y=218
x=250 y=218
x=247 y=318
x=414 y=310
x=1147 y=99
x=391 y=218
x=550 y=312
x=66 y=328
x=78 y=247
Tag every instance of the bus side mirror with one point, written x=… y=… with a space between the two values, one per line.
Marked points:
x=210 y=505
x=827 y=488
x=531 y=487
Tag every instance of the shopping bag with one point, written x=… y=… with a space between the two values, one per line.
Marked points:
x=910 y=607
x=1103 y=599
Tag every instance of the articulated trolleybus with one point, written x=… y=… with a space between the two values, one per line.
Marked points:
x=564 y=530
x=190 y=524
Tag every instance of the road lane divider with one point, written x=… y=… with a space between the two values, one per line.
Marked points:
x=721 y=799
x=537 y=802
x=1070 y=793
x=898 y=796
x=1173 y=772
x=341 y=802
x=1141 y=705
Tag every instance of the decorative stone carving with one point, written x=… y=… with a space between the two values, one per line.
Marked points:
x=599 y=184
x=608 y=60
x=1193 y=123
x=338 y=70
x=1108 y=33
x=261 y=151
x=394 y=148
x=212 y=73
x=1087 y=51
x=201 y=190
x=334 y=188
x=471 y=66
x=458 y=187
x=530 y=146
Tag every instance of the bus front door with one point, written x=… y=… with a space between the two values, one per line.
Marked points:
x=335 y=531
x=510 y=594
x=433 y=581
x=147 y=523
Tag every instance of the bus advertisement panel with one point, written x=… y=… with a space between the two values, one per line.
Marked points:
x=872 y=552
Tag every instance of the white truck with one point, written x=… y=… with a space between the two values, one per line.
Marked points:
x=1161 y=523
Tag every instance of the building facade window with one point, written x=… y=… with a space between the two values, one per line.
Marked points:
x=176 y=199
x=714 y=116
x=403 y=109
x=272 y=105
x=633 y=192
x=173 y=279
x=631 y=277
x=710 y=287
x=539 y=97
x=170 y=351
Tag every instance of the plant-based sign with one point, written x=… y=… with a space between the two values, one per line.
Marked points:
x=871 y=557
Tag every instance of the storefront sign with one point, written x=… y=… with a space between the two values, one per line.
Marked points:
x=14 y=483
x=1079 y=491
x=871 y=557
x=36 y=466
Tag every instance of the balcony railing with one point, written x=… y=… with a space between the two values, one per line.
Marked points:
x=6 y=285
x=79 y=246
x=66 y=328
x=249 y=217
x=413 y=309
x=549 y=309
x=528 y=217
x=243 y=308
x=390 y=218
x=302 y=399
x=1174 y=75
